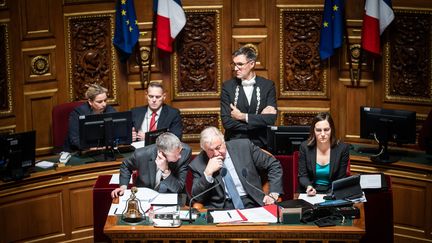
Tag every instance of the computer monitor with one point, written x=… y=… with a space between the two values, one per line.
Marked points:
x=17 y=155
x=106 y=130
x=386 y=125
x=286 y=139
x=151 y=136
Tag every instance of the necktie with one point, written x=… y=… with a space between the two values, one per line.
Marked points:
x=153 y=122
x=158 y=179
x=232 y=191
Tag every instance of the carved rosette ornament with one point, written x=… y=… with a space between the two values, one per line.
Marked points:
x=408 y=58
x=301 y=70
x=197 y=65
x=39 y=65
x=91 y=54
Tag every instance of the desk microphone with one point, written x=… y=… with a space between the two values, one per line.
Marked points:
x=222 y=173
x=244 y=174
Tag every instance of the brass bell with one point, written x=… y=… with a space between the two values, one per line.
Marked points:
x=133 y=210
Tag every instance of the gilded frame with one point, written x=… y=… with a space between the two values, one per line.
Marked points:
x=88 y=15
x=175 y=63
x=325 y=64
x=8 y=69
x=387 y=67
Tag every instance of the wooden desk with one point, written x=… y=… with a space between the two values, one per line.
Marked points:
x=52 y=205
x=271 y=233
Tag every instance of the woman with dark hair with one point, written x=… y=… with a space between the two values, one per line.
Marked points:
x=323 y=158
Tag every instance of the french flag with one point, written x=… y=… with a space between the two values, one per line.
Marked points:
x=378 y=15
x=170 y=20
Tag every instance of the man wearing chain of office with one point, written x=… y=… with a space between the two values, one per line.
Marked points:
x=248 y=101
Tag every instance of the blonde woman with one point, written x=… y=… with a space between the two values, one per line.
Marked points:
x=96 y=96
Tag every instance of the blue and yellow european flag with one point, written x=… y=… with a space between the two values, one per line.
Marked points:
x=332 y=28
x=126 y=29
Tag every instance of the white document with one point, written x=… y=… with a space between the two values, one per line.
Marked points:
x=115 y=179
x=226 y=216
x=370 y=181
x=138 y=144
x=44 y=164
x=114 y=210
x=165 y=199
x=318 y=198
x=258 y=215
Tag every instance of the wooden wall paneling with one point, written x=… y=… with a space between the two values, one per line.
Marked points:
x=408 y=67
x=302 y=73
x=6 y=105
x=37 y=19
x=34 y=208
x=196 y=119
x=90 y=53
x=247 y=13
x=197 y=62
x=408 y=223
x=39 y=64
x=136 y=95
x=38 y=117
x=289 y=116
x=3 y=4
x=81 y=211
x=255 y=38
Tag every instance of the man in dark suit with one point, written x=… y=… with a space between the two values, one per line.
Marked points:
x=242 y=161
x=161 y=166
x=248 y=102
x=165 y=116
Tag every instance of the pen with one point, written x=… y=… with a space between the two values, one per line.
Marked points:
x=115 y=211
x=229 y=214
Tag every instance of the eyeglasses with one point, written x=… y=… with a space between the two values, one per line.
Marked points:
x=239 y=65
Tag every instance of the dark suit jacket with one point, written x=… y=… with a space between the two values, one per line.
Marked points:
x=339 y=156
x=143 y=160
x=72 y=142
x=169 y=118
x=255 y=129
x=244 y=155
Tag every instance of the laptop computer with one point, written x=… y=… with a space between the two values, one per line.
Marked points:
x=347 y=188
x=151 y=136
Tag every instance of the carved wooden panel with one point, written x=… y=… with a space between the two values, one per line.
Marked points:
x=298 y=116
x=408 y=58
x=249 y=13
x=38 y=116
x=195 y=120
x=5 y=72
x=37 y=19
x=144 y=52
x=91 y=54
x=302 y=74
x=39 y=64
x=197 y=63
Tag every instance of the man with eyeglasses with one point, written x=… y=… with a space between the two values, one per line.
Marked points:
x=238 y=186
x=156 y=115
x=162 y=166
x=248 y=102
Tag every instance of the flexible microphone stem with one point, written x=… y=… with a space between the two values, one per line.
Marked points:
x=223 y=173
x=244 y=174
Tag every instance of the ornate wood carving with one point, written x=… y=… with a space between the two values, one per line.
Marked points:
x=299 y=116
x=197 y=63
x=408 y=58
x=91 y=54
x=5 y=72
x=3 y=4
x=301 y=71
x=195 y=120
